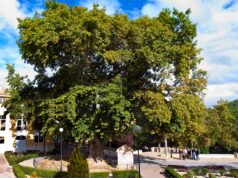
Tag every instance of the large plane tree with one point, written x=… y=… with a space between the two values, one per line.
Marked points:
x=99 y=74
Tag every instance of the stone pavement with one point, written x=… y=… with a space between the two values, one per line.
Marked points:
x=5 y=171
x=226 y=162
x=151 y=170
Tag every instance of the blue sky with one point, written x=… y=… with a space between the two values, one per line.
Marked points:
x=217 y=24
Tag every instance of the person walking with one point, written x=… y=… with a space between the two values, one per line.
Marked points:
x=193 y=154
x=197 y=154
x=180 y=154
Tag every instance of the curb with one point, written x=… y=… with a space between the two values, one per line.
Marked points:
x=10 y=167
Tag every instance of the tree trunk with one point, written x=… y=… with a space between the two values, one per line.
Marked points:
x=44 y=136
x=166 y=148
x=95 y=149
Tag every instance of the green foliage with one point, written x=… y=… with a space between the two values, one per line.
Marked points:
x=13 y=159
x=190 y=174
x=200 y=171
x=153 y=107
x=221 y=172
x=234 y=173
x=188 y=119
x=54 y=174
x=116 y=174
x=19 y=173
x=233 y=107
x=126 y=174
x=204 y=150
x=101 y=66
x=222 y=128
x=16 y=84
x=78 y=165
x=172 y=173
x=204 y=171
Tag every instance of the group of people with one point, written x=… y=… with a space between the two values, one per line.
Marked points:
x=189 y=154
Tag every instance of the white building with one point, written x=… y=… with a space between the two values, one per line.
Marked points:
x=14 y=134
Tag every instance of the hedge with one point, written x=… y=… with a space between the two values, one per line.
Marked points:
x=170 y=172
x=19 y=173
x=13 y=159
x=54 y=174
x=200 y=171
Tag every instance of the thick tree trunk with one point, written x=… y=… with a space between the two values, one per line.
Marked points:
x=95 y=149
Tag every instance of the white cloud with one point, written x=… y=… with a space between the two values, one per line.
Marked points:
x=226 y=91
x=111 y=6
x=10 y=55
x=10 y=10
x=217 y=36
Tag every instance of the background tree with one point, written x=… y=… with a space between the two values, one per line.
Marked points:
x=188 y=126
x=222 y=128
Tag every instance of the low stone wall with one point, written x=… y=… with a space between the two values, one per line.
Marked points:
x=216 y=156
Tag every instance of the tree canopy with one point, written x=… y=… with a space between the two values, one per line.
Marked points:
x=99 y=74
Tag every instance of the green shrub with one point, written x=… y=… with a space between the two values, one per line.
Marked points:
x=234 y=173
x=221 y=172
x=204 y=171
x=196 y=171
x=18 y=172
x=204 y=150
x=78 y=165
x=172 y=173
x=116 y=174
x=190 y=174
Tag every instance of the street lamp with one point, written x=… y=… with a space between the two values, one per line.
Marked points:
x=137 y=131
x=61 y=131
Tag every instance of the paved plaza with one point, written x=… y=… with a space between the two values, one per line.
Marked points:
x=5 y=171
x=154 y=157
x=152 y=163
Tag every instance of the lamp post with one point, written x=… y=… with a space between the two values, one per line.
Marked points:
x=137 y=131
x=61 y=141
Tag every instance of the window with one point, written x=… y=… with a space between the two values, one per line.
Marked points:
x=20 y=124
x=20 y=137
x=1 y=140
x=38 y=137
x=2 y=122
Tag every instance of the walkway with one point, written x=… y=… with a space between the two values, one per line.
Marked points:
x=151 y=170
x=5 y=171
x=154 y=158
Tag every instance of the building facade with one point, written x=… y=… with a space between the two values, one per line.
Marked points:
x=16 y=135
